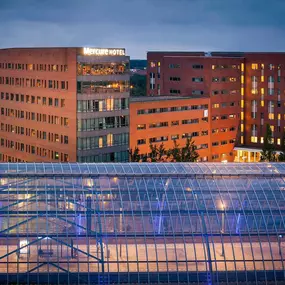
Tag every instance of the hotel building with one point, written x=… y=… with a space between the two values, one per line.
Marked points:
x=64 y=104
x=244 y=93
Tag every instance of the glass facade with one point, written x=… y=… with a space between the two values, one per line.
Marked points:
x=103 y=85
x=102 y=68
x=142 y=223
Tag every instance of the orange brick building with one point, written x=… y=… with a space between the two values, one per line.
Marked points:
x=194 y=80
x=64 y=104
x=244 y=93
x=165 y=119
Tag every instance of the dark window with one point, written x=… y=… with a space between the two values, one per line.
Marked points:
x=141 y=141
x=174 y=65
x=197 y=66
x=62 y=84
x=174 y=91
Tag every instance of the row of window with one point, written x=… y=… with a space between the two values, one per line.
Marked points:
x=255 y=66
x=102 y=123
x=224 y=117
x=30 y=82
x=173 y=137
x=225 y=66
x=39 y=117
x=109 y=68
x=194 y=92
x=35 y=67
x=224 y=105
x=224 y=91
x=102 y=105
x=255 y=139
x=9 y=158
x=172 y=109
x=51 y=137
x=120 y=156
x=223 y=130
x=102 y=141
x=55 y=102
x=223 y=142
x=185 y=136
x=270 y=78
x=224 y=79
x=194 y=66
x=43 y=152
x=173 y=123
x=86 y=87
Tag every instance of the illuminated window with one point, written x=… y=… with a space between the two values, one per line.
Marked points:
x=233 y=79
x=242 y=115
x=278 y=141
x=262 y=103
x=262 y=140
x=262 y=78
x=141 y=127
x=216 y=106
x=110 y=104
x=254 y=66
x=262 y=91
x=253 y=139
x=158 y=64
x=262 y=66
x=100 y=142
x=241 y=140
x=241 y=127
x=271 y=116
x=279 y=116
x=110 y=139
x=242 y=91
x=242 y=103
x=242 y=79
x=242 y=67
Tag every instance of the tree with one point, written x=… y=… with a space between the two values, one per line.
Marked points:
x=134 y=155
x=187 y=153
x=138 y=85
x=268 y=153
x=157 y=154
x=174 y=153
x=281 y=156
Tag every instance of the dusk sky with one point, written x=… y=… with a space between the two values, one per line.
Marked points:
x=145 y=25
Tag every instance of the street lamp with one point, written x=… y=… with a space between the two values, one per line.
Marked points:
x=279 y=244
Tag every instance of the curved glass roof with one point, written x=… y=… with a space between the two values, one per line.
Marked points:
x=143 y=168
x=200 y=223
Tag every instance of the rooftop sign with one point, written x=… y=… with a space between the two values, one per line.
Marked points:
x=103 y=51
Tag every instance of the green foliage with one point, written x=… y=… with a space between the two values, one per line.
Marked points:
x=187 y=153
x=281 y=156
x=134 y=154
x=138 y=84
x=268 y=152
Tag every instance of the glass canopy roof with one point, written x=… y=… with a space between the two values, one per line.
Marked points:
x=198 y=223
